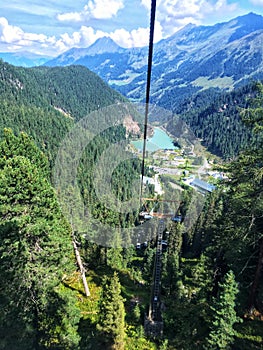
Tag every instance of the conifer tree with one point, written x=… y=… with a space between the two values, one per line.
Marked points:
x=35 y=255
x=241 y=228
x=171 y=274
x=222 y=333
x=112 y=313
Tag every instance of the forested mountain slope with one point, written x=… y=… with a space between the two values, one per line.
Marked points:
x=45 y=102
x=216 y=119
x=41 y=298
x=225 y=247
x=35 y=253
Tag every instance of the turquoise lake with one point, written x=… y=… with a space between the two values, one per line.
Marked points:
x=159 y=140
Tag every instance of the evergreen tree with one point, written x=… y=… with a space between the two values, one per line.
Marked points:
x=240 y=235
x=35 y=255
x=112 y=313
x=22 y=145
x=224 y=315
x=171 y=271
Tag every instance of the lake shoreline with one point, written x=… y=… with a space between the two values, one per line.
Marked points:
x=160 y=140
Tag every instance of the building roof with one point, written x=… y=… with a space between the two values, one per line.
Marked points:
x=203 y=185
x=149 y=180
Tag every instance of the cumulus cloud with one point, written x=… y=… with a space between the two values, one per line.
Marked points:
x=9 y=34
x=99 y=9
x=146 y=4
x=137 y=37
x=174 y=14
x=87 y=36
x=14 y=38
x=83 y=38
x=104 y=8
x=171 y=15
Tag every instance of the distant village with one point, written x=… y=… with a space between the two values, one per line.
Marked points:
x=183 y=165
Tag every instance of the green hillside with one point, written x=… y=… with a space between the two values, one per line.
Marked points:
x=45 y=102
x=216 y=119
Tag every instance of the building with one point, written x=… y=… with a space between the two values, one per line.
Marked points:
x=202 y=186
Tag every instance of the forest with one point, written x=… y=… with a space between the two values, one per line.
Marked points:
x=211 y=287
x=215 y=119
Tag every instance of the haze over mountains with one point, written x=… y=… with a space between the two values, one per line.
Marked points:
x=24 y=59
x=222 y=56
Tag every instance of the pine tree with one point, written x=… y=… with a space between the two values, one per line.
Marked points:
x=171 y=273
x=224 y=315
x=241 y=236
x=112 y=313
x=35 y=255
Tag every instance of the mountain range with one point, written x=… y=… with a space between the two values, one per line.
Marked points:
x=219 y=57
x=24 y=58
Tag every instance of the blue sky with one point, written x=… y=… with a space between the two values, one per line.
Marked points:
x=52 y=26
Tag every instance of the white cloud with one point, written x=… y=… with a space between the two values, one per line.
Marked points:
x=171 y=15
x=104 y=8
x=257 y=2
x=70 y=16
x=146 y=4
x=158 y=31
x=99 y=9
x=174 y=14
x=87 y=36
x=14 y=38
x=83 y=38
x=137 y=37
x=9 y=34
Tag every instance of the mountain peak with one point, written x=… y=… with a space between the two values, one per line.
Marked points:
x=249 y=19
x=103 y=45
x=250 y=15
x=245 y=25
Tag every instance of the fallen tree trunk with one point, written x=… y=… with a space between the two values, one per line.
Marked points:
x=81 y=267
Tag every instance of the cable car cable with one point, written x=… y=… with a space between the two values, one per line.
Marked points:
x=148 y=86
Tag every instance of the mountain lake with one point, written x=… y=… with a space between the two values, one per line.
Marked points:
x=159 y=140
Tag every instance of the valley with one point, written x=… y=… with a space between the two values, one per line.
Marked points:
x=184 y=163
x=172 y=253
